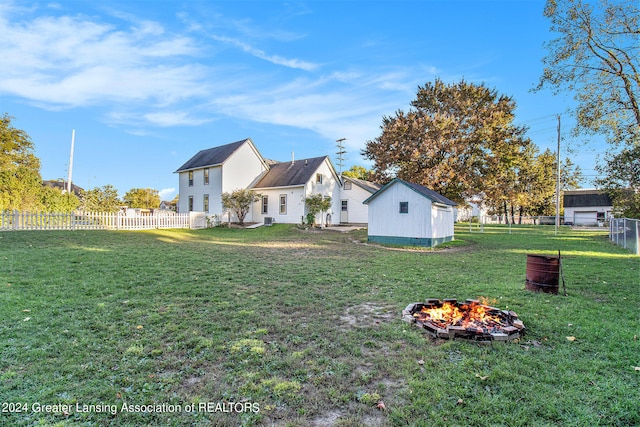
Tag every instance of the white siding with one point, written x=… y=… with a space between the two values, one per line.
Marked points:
x=424 y=223
x=296 y=209
x=385 y=218
x=358 y=211
x=199 y=189
x=295 y=205
x=241 y=169
x=329 y=187
x=441 y=221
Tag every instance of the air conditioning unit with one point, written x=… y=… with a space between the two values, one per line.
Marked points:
x=268 y=220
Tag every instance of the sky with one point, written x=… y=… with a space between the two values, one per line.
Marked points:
x=147 y=84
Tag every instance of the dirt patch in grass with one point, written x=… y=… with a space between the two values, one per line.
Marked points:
x=342 y=419
x=368 y=314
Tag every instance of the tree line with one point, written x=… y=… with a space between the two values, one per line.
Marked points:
x=21 y=185
x=460 y=140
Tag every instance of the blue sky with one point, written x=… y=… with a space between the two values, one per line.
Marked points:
x=147 y=84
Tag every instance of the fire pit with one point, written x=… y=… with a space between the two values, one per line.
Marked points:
x=471 y=320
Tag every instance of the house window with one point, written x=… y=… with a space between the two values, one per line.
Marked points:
x=205 y=203
x=319 y=178
x=206 y=176
x=404 y=207
x=265 y=205
x=283 y=204
x=190 y=178
x=345 y=205
x=347 y=185
x=190 y=203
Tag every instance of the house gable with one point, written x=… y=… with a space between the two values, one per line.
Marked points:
x=217 y=155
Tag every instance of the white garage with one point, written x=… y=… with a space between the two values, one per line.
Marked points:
x=588 y=207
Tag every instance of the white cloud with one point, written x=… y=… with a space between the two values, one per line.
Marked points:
x=148 y=77
x=73 y=61
x=166 y=193
x=275 y=59
x=174 y=118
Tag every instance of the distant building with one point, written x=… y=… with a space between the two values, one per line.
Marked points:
x=586 y=207
x=167 y=205
x=62 y=186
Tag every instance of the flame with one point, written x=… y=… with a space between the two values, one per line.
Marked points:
x=467 y=315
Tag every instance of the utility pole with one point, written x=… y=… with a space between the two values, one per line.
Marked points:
x=73 y=138
x=558 y=180
x=341 y=152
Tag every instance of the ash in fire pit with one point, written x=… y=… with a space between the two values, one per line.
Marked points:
x=470 y=320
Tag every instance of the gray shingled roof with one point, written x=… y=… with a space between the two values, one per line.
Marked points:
x=371 y=187
x=586 y=198
x=420 y=189
x=212 y=156
x=287 y=174
x=61 y=185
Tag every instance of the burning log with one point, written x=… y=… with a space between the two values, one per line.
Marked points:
x=472 y=320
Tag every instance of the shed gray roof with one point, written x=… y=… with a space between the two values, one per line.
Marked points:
x=212 y=156
x=420 y=189
x=288 y=174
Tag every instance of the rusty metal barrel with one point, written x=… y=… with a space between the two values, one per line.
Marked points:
x=543 y=273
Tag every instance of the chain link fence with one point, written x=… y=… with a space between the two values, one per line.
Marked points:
x=625 y=232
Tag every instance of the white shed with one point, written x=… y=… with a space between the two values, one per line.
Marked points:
x=403 y=213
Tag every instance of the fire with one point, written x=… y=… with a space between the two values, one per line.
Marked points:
x=467 y=315
x=472 y=319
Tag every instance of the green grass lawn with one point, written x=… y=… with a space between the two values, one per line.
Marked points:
x=306 y=327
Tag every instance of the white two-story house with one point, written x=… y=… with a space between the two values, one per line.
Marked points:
x=208 y=174
x=284 y=186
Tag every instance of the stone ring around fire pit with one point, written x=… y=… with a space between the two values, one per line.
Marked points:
x=470 y=320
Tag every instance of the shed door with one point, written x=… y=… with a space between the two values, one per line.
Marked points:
x=344 y=211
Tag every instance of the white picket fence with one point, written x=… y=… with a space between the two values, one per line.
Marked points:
x=14 y=220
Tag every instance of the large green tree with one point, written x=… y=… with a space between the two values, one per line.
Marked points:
x=101 y=199
x=359 y=172
x=622 y=180
x=146 y=198
x=596 y=58
x=20 y=181
x=525 y=184
x=451 y=140
x=56 y=200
